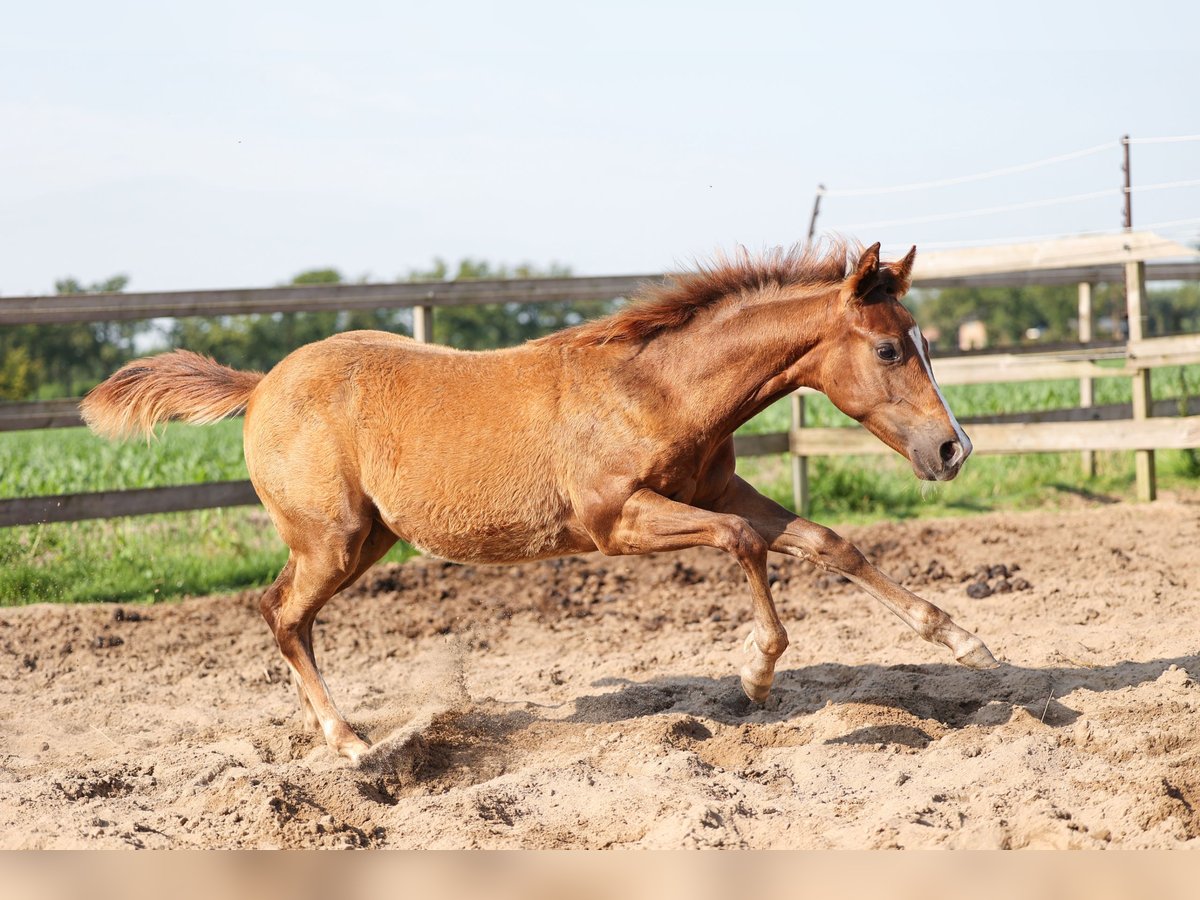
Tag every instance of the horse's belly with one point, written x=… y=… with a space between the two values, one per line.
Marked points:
x=508 y=546
x=483 y=487
x=473 y=525
x=479 y=541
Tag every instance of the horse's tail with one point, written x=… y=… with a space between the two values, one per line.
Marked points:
x=176 y=385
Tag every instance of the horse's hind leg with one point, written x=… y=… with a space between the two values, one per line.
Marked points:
x=378 y=541
x=314 y=573
x=268 y=605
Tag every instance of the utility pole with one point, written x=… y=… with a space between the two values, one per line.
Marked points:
x=816 y=210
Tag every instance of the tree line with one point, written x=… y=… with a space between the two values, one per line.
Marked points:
x=48 y=361
x=40 y=362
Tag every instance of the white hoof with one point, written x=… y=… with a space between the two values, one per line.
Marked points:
x=755 y=690
x=756 y=678
x=977 y=656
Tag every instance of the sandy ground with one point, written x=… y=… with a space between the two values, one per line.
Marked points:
x=593 y=702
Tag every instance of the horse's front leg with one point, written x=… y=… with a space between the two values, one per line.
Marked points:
x=790 y=534
x=648 y=523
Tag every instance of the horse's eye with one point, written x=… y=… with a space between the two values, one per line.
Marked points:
x=887 y=352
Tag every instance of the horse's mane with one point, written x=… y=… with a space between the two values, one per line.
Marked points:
x=676 y=300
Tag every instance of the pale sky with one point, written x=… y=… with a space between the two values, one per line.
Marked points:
x=233 y=144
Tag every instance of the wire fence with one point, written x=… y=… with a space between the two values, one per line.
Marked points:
x=1117 y=192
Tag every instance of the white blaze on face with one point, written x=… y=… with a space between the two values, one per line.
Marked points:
x=919 y=342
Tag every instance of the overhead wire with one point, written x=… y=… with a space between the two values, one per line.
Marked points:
x=1012 y=207
x=1163 y=185
x=981 y=211
x=1172 y=223
x=1011 y=239
x=963 y=179
x=1173 y=139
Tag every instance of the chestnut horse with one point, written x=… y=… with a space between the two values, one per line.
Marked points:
x=615 y=435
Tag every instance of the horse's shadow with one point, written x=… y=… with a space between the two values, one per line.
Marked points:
x=475 y=744
x=949 y=694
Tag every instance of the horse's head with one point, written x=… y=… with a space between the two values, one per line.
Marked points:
x=875 y=368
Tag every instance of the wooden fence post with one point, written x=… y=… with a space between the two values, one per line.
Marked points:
x=800 y=498
x=1143 y=401
x=423 y=323
x=1086 y=397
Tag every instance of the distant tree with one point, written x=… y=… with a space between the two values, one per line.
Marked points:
x=64 y=360
x=504 y=324
x=16 y=374
x=260 y=341
x=318 y=276
x=1175 y=310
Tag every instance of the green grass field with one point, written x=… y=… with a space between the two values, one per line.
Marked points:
x=155 y=557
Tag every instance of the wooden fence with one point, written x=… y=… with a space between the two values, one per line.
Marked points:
x=1085 y=429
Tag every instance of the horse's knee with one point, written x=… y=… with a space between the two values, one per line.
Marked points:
x=741 y=540
x=833 y=551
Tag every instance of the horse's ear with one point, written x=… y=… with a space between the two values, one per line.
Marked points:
x=865 y=276
x=901 y=273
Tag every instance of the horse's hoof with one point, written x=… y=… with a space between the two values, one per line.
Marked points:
x=753 y=684
x=348 y=744
x=978 y=656
x=755 y=691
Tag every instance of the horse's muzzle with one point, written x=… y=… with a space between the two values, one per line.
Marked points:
x=942 y=459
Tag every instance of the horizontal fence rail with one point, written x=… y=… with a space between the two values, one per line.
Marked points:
x=45 y=414
x=312 y=298
x=112 y=307
x=133 y=502
x=1110 y=412
x=1040 y=437
x=1185 y=271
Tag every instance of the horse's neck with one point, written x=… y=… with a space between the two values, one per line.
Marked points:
x=723 y=370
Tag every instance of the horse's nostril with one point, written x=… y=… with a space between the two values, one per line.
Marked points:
x=949 y=450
